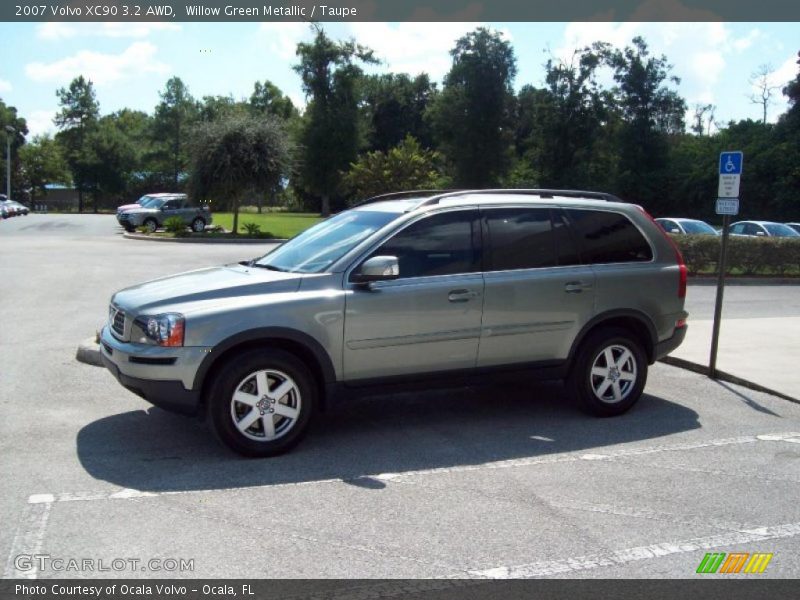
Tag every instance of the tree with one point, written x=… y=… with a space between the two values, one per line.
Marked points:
x=109 y=161
x=237 y=155
x=563 y=123
x=267 y=98
x=173 y=118
x=9 y=117
x=472 y=115
x=763 y=89
x=212 y=108
x=42 y=161
x=395 y=106
x=408 y=166
x=76 y=119
x=651 y=112
x=330 y=135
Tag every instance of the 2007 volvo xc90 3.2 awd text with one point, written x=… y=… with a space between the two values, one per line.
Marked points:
x=559 y=284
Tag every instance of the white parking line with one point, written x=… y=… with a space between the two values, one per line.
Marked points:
x=127 y=493
x=28 y=540
x=621 y=557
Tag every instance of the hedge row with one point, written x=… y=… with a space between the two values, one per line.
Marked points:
x=746 y=255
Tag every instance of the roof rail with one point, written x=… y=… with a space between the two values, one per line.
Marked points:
x=398 y=195
x=541 y=193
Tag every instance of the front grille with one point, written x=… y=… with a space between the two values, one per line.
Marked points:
x=117 y=321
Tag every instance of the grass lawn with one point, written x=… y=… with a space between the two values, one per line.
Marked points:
x=278 y=224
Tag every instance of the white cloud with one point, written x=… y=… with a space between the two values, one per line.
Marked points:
x=40 y=122
x=785 y=73
x=413 y=47
x=61 y=31
x=138 y=59
x=5 y=86
x=699 y=52
x=282 y=38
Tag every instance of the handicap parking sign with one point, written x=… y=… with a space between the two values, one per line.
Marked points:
x=730 y=163
x=730 y=174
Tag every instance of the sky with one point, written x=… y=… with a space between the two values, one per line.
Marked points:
x=129 y=63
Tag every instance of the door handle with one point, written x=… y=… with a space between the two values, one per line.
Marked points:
x=461 y=295
x=576 y=287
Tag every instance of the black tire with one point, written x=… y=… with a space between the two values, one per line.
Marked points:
x=242 y=368
x=151 y=224
x=128 y=228
x=587 y=388
x=198 y=225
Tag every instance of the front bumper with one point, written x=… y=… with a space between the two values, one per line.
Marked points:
x=668 y=345
x=165 y=389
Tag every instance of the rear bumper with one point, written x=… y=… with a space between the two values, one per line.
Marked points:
x=668 y=345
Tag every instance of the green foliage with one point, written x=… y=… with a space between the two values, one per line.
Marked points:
x=238 y=155
x=330 y=136
x=174 y=225
x=174 y=116
x=394 y=108
x=472 y=115
x=76 y=120
x=8 y=117
x=252 y=229
x=746 y=255
x=267 y=98
x=42 y=162
x=407 y=166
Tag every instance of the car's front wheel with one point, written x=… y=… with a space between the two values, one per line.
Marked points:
x=150 y=225
x=198 y=225
x=261 y=402
x=609 y=372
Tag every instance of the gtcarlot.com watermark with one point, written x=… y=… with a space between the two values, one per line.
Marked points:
x=60 y=564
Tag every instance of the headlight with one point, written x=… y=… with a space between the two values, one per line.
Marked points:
x=163 y=330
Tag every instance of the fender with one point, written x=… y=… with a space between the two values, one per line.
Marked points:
x=265 y=334
x=628 y=313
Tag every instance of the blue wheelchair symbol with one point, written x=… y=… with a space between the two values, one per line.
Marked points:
x=730 y=163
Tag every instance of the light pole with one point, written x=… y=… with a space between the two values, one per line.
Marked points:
x=9 y=132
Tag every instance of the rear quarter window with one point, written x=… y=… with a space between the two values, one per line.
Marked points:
x=608 y=237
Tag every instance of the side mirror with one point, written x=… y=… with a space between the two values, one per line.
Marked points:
x=377 y=268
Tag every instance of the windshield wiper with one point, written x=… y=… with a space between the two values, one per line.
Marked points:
x=270 y=267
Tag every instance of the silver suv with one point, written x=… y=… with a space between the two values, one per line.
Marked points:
x=408 y=287
x=157 y=208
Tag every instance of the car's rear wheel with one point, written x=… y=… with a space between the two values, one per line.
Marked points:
x=151 y=225
x=609 y=372
x=198 y=225
x=261 y=402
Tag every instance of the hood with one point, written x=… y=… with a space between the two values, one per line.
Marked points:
x=213 y=283
x=125 y=207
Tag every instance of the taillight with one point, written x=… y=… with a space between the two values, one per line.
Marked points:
x=682 y=271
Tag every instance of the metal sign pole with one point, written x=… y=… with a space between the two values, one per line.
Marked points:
x=712 y=364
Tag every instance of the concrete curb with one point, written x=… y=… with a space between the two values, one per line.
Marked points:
x=89 y=352
x=727 y=377
x=745 y=281
x=191 y=240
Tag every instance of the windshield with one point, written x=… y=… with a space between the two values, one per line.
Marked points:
x=697 y=227
x=150 y=202
x=318 y=247
x=780 y=230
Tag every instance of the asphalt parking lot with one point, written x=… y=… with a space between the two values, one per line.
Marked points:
x=503 y=480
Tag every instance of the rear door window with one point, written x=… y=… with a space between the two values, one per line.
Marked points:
x=608 y=237
x=520 y=238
